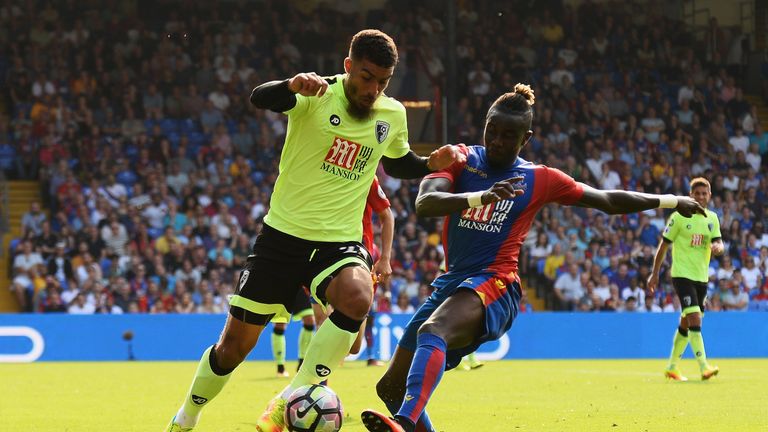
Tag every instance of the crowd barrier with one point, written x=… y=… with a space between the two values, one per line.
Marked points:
x=545 y=335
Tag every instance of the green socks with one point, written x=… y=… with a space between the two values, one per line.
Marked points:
x=205 y=386
x=305 y=337
x=278 y=347
x=325 y=351
x=679 y=343
x=697 y=344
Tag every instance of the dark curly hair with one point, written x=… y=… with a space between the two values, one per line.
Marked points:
x=374 y=46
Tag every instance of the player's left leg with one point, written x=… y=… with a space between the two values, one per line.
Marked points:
x=694 y=315
x=456 y=324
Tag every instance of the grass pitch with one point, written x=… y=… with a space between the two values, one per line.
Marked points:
x=591 y=395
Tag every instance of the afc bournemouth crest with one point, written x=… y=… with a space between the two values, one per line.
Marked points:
x=382 y=130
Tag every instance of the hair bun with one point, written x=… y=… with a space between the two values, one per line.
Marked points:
x=525 y=91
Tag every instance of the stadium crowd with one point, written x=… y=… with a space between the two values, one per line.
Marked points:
x=157 y=172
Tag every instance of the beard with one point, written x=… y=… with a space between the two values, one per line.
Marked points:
x=359 y=112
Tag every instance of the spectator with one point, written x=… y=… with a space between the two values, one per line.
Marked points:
x=735 y=299
x=568 y=288
x=32 y=221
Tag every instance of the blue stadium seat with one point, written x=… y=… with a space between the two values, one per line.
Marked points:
x=168 y=126
x=188 y=126
x=232 y=126
x=149 y=124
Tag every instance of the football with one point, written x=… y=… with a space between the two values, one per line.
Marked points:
x=313 y=408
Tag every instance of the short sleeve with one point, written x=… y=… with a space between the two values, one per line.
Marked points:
x=377 y=199
x=716 y=226
x=454 y=170
x=303 y=104
x=672 y=228
x=562 y=188
x=399 y=146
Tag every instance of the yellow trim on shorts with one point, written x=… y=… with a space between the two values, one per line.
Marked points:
x=690 y=310
x=280 y=312
x=328 y=270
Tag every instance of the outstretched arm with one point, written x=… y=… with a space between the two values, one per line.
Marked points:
x=435 y=198
x=280 y=96
x=622 y=202
x=412 y=166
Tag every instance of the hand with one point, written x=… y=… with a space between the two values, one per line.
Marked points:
x=444 y=157
x=717 y=248
x=308 y=84
x=688 y=206
x=653 y=282
x=502 y=190
x=382 y=270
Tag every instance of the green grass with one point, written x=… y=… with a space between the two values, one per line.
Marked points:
x=594 y=395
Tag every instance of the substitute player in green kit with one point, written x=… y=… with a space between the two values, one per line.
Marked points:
x=339 y=128
x=693 y=241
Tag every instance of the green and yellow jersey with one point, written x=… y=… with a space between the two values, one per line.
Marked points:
x=691 y=239
x=328 y=163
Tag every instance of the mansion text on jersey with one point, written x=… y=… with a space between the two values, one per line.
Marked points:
x=463 y=223
x=333 y=169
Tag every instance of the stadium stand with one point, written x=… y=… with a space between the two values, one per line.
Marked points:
x=154 y=172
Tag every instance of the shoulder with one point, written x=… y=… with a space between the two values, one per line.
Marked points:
x=388 y=104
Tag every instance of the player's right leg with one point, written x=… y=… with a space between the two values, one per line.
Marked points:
x=278 y=347
x=679 y=343
x=215 y=369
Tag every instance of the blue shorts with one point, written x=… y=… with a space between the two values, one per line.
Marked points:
x=500 y=294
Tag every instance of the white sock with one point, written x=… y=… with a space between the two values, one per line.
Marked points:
x=185 y=421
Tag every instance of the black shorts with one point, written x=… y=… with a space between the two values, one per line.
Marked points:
x=281 y=266
x=692 y=294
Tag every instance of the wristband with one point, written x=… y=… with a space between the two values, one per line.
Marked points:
x=667 y=201
x=475 y=199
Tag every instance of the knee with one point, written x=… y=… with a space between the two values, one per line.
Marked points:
x=432 y=327
x=229 y=355
x=355 y=302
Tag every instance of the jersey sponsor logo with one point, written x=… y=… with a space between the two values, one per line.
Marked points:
x=382 y=130
x=697 y=240
x=488 y=218
x=474 y=170
x=322 y=370
x=346 y=159
x=335 y=120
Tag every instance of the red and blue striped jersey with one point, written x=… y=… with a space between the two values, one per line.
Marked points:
x=488 y=238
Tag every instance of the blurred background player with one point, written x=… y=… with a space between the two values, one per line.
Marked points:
x=302 y=311
x=489 y=202
x=470 y=361
x=693 y=242
x=378 y=204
